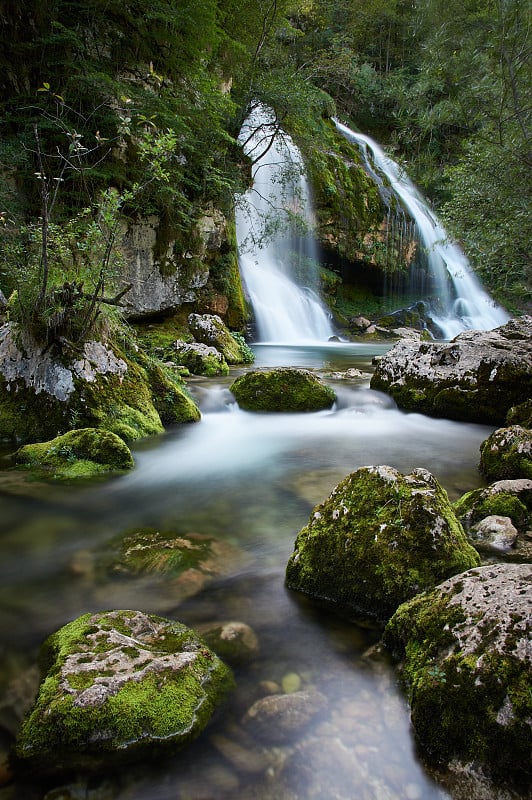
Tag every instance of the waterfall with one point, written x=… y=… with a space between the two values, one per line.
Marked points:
x=462 y=302
x=277 y=253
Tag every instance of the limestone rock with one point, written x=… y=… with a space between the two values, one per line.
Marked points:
x=520 y=415
x=200 y=359
x=209 y=329
x=467 y=662
x=507 y=453
x=507 y=498
x=77 y=454
x=378 y=540
x=118 y=686
x=495 y=533
x=282 y=389
x=96 y=386
x=233 y=641
x=477 y=377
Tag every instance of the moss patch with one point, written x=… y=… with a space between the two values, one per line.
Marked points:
x=282 y=389
x=378 y=540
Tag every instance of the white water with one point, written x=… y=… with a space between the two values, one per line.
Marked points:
x=278 y=262
x=463 y=303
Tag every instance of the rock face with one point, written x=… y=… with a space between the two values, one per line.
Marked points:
x=477 y=377
x=97 y=386
x=282 y=389
x=118 y=686
x=467 y=660
x=77 y=454
x=507 y=453
x=378 y=540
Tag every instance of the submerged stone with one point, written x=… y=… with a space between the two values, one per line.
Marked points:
x=118 y=686
x=282 y=389
x=467 y=663
x=77 y=454
x=378 y=540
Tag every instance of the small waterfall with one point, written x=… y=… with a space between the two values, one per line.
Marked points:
x=277 y=252
x=462 y=302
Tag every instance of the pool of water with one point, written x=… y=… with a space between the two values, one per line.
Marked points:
x=250 y=480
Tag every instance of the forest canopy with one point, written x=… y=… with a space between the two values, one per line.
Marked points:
x=147 y=98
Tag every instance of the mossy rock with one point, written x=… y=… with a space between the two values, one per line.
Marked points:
x=43 y=395
x=520 y=415
x=77 y=454
x=169 y=392
x=209 y=329
x=200 y=359
x=378 y=540
x=118 y=686
x=507 y=453
x=510 y=498
x=465 y=652
x=282 y=389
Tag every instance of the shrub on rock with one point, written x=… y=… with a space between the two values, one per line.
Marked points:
x=117 y=686
x=466 y=657
x=378 y=540
x=77 y=454
x=282 y=389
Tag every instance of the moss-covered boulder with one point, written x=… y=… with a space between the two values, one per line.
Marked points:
x=77 y=454
x=200 y=359
x=520 y=415
x=507 y=453
x=378 y=540
x=209 y=329
x=509 y=499
x=43 y=395
x=282 y=389
x=118 y=686
x=477 y=377
x=466 y=656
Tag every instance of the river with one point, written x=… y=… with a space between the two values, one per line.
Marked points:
x=250 y=480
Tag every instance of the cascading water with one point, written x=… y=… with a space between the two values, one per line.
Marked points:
x=277 y=253
x=463 y=303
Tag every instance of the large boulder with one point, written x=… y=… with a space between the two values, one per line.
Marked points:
x=507 y=453
x=478 y=376
x=199 y=358
x=467 y=656
x=95 y=385
x=282 y=389
x=378 y=540
x=77 y=454
x=118 y=686
x=209 y=329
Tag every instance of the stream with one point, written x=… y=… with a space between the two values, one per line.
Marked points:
x=250 y=480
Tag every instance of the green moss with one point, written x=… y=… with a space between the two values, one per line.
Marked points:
x=77 y=454
x=282 y=389
x=507 y=453
x=480 y=503
x=373 y=543
x=144 y=713
x=148 y=550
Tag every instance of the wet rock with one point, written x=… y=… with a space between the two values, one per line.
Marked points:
x=18 y=698
x=378 y=540
x=95 y=386
x=200 y=359
x=77 y=454
x=347 y=375
x=280 y=718
x=467 y=660
x=246 y=759
x=359 y=324
x=520 y=415
x=507 y=453
x=495 y=533
x=507 y=498
x=282 y=389
x=209 y=329
x=477 y=377
x=118 y=686
x=235 y=642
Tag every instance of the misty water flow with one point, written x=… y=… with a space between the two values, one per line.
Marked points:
x=462 y=302
x=277 y=251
